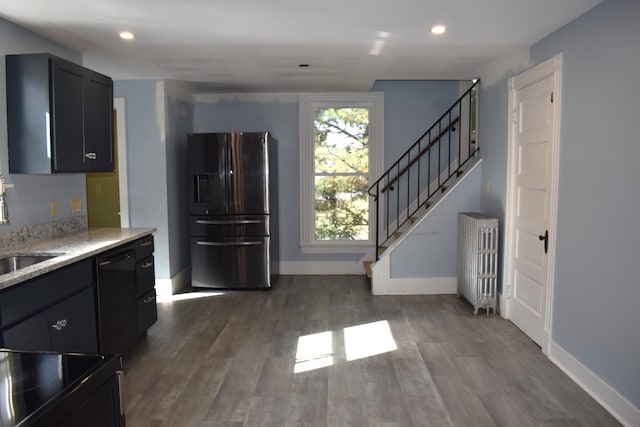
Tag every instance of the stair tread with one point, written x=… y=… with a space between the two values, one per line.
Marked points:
x=367 y=267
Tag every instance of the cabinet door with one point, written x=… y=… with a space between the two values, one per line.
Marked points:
x=67 y=123
x=68 y=326
x=145 y=276
x=98 y=122
x=73 y=325
x=29 y=335
x=102 y=409
x=147 y=311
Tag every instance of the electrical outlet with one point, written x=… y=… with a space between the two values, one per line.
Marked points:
x=54 y=207
x=76 y=205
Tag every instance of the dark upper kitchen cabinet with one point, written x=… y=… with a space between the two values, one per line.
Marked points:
x=59 y=116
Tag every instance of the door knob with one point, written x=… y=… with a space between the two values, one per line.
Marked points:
x=546 y=240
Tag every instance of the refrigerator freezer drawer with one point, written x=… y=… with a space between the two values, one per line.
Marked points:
x=230 y=225
x=231 y=262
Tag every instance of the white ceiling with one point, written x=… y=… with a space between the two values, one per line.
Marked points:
x=257 y=45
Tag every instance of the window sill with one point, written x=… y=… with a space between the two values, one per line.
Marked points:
x=337 y=249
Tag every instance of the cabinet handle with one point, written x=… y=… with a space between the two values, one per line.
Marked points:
x=91 y=156
x=59 y=324
x=244 y=221
x=147 y=264
x=117 y=258
x=147 y=243
x=207 y=243
x=147 y=300
x=120 y=375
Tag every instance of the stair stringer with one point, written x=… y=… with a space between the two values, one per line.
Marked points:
x=382 y=282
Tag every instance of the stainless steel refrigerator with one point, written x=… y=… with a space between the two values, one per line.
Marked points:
x=233 y=182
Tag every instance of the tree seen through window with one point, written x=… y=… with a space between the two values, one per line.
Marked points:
x=341 y=169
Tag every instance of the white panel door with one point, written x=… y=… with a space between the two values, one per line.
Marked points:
x=532 y=196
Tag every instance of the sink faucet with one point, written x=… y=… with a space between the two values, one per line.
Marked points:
x=4 y=210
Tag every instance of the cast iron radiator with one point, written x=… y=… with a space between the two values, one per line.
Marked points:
x=478 y=260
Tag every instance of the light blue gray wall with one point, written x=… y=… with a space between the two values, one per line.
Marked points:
x=407 y=116
x=179 y=113
x=432 y=249
x=29 y=201
x=596 y=314
x=410 y=108
x=597 y=285
x=147 y=162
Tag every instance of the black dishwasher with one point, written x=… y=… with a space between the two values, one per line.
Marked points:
x=117 y=311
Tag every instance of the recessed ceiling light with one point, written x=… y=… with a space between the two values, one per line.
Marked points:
x=126 y=35
x=438 y=29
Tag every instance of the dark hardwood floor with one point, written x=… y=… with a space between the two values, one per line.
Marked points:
x=321 y=351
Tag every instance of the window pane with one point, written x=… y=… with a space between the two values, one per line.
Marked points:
x=341 y=208
x=341 y=138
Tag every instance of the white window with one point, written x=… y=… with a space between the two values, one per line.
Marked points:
x=341 y=155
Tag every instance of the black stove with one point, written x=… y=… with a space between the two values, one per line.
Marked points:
x=32 y=382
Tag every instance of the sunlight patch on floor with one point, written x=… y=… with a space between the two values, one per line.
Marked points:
x=368 y=340
x=187 y=296
x=315 y=351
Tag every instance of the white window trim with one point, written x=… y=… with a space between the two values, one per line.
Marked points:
x=374 y=101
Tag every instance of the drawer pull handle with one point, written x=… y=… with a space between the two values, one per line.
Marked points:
x=147 y=264
x=207 y=243
x=91 y=156
x=245 y=221
x=118 y=258
x=59 y=324
x=147 y=300
x=147 y=243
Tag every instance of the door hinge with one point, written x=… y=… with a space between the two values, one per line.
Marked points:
x=552 y=97
x=514 y=116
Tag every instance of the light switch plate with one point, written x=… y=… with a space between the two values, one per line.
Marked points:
x=54 y=207
x=76 y=205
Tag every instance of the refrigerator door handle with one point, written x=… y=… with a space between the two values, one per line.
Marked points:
x=244 y=221
x=206 y=243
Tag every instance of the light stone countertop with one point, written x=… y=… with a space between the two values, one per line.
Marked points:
x=71 y=247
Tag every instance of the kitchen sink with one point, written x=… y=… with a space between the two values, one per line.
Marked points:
x=15 y=262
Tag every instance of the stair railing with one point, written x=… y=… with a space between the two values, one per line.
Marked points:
x=425 y=169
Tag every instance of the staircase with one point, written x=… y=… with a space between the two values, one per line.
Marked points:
x=421 y=179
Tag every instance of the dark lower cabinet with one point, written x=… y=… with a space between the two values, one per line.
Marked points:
x=147 y=312
x=101 y=409
x=102 y=304
x=145 y=286
x=53 y=312
x=46 y=389
x=126 y=295
x=66 y=326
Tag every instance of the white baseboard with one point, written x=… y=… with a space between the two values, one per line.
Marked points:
x=383 y=284
x=321 y=267
x=602 y=392
x=165 y=287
